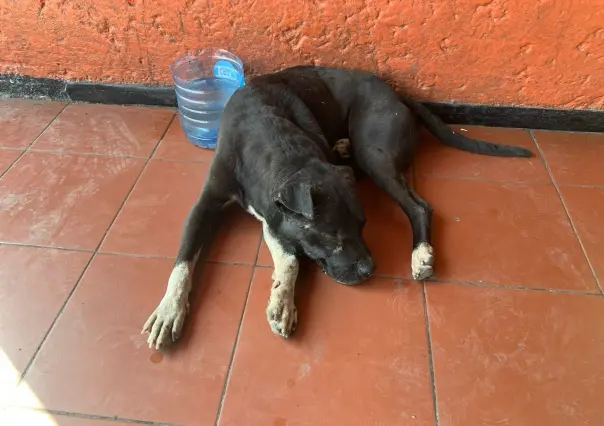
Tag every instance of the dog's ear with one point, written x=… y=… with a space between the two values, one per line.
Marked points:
x=295 y=197
x=347 y=172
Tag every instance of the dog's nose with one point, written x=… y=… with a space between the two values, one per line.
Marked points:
x=366 y=267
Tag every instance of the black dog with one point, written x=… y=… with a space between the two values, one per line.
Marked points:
x=283 y=141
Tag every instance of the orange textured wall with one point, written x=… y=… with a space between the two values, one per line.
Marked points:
x=512 y=52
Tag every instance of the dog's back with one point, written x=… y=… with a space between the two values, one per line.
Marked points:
x=328 y=93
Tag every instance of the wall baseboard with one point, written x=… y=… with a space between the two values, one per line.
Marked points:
x=15 y=86
x=122 y=94
x=570 y=120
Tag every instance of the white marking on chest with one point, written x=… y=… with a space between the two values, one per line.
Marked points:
x=281 y=258
x=281 y=311
x=254 y=213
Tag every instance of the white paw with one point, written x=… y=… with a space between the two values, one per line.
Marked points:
x=165 y=324
x=422 y=261
x=281 y=311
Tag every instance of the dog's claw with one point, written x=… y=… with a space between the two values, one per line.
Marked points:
x=165 y=324
x=281 y=313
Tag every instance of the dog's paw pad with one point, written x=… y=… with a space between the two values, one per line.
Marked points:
x=165 y=324
x=281 y=313
x=422 y=262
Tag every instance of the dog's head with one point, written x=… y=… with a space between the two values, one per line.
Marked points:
x=324 y=218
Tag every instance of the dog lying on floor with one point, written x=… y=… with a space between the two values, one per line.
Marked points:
x=283 y=151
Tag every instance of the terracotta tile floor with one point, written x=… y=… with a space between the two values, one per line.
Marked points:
x=509 y=332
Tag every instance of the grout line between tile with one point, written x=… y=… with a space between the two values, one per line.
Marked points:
x=96 y=417
x=31 y=361
x=436 y=281
x=94 y=254
x=507 y=182
x=8 y=243
x=430 y=355
x=256 y=265
x=567 y=211
x=235 y=345
x=54 y=321
x=10 y=148
x=95 y=154
x=34 y=141
x=581 y=186
x=109 y=253
x=170 y=160
x=136 y=181
x=68 y=298
x=238 y=264
x=151 y=256
x=86 y=154
x=579 y=132
x=516 y=288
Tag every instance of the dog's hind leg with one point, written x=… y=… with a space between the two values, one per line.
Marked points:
x=419 y=212
x=281 y=312
x=165 y=324
x=382 y=135
x=422 y=258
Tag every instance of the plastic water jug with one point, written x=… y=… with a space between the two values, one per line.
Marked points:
x=204 y=83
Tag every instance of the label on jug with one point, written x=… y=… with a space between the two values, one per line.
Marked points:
x=226 y=70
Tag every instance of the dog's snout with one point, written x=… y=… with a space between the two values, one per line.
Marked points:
x=366 y=267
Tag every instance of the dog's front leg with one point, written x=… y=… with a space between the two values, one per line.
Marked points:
x=165 y=324
x=281 y=311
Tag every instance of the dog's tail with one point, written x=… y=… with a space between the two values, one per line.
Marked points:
x=439 y=129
